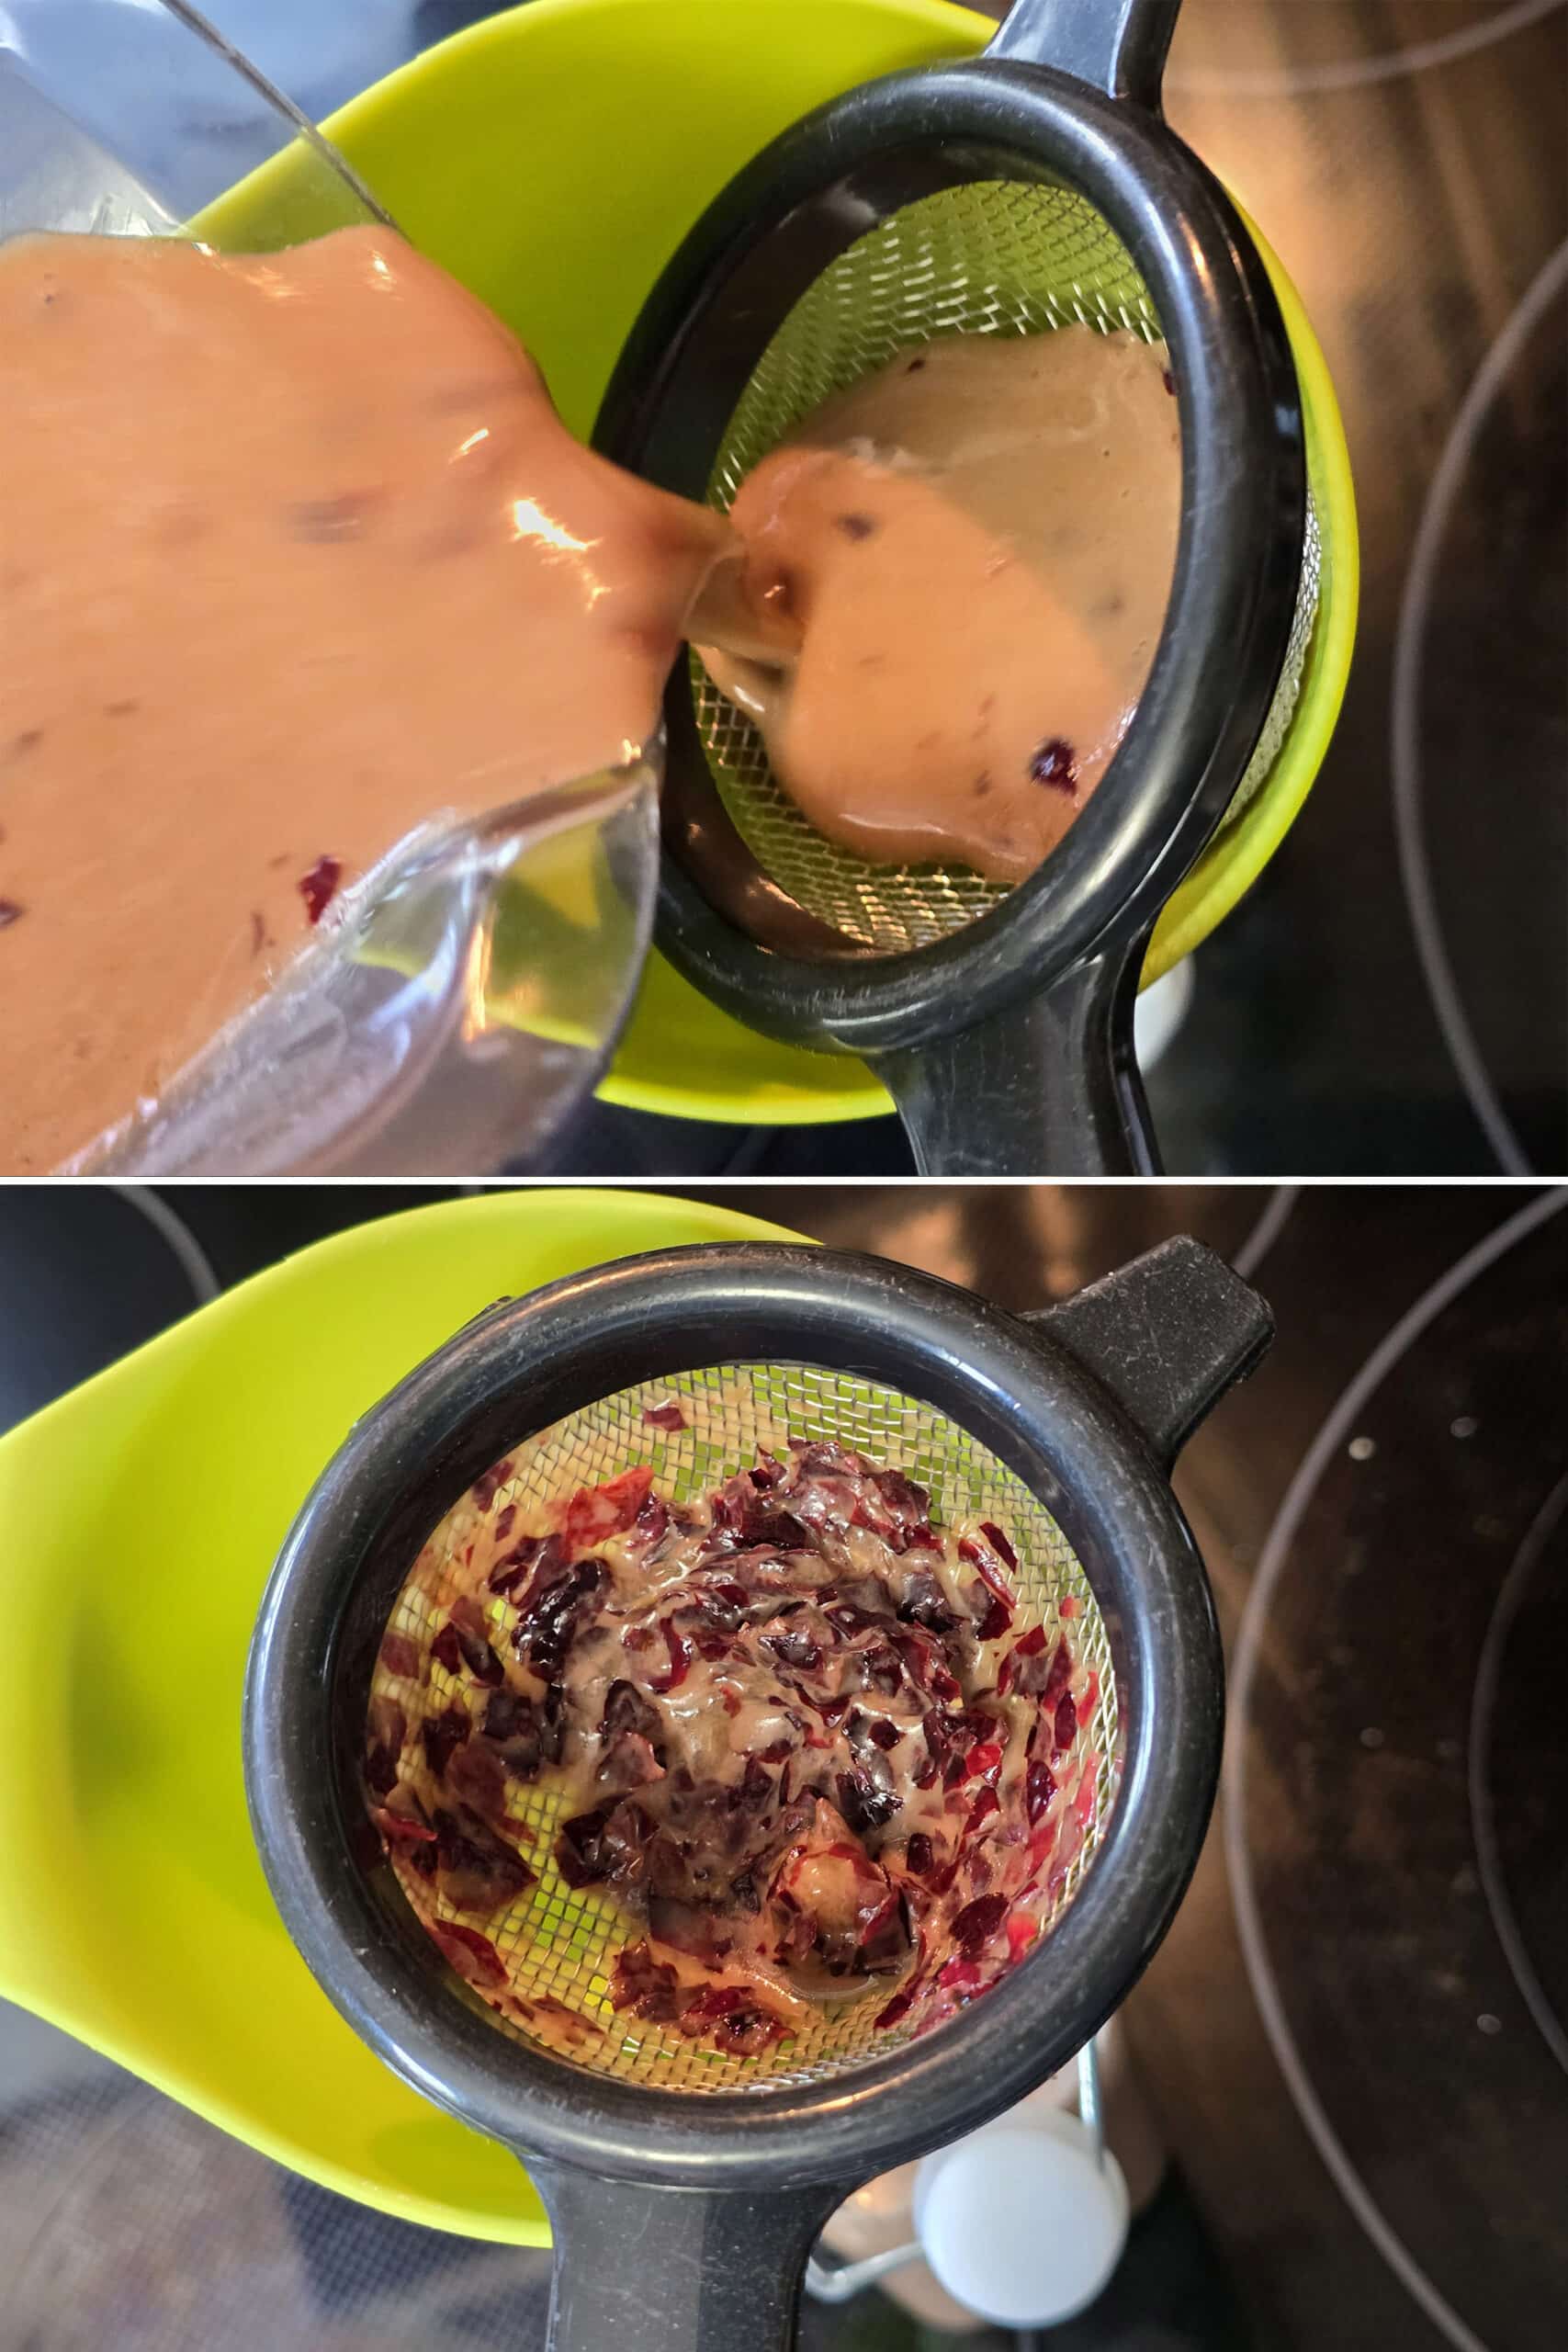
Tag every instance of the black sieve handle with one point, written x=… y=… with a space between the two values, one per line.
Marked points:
x=1048 y=1087
x=1119 y=46
x=641 y=2269
x=1167 y=1335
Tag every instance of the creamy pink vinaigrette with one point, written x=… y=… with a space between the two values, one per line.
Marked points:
x=295 y=555
x=958 y=571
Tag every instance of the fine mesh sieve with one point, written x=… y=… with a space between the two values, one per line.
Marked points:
x=561 y=1942
x=681 y=2223
x=1004 y=195
x=987 y=257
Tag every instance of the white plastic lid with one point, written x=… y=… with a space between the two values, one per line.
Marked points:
x=1020 y=2223
x=1160 y=1011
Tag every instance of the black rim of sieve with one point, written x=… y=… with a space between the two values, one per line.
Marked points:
x=695 y=346
x=1008 y=1043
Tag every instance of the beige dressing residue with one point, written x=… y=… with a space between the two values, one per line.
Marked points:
x=295 y=555
x=957 y=573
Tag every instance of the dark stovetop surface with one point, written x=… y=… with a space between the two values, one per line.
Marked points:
x=1392 y=998
x=1355 y=2035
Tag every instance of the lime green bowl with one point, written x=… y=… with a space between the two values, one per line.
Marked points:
x=142 y=1514
x=553 y=159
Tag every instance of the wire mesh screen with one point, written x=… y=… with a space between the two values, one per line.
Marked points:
x=560 y=1944
x=987 y=257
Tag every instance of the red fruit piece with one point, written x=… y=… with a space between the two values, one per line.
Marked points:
x=681 y=1653
x=652 y=1518
x=388 y=1729
x=442 y=1734
x=605 y=1845
x=906 y=1509
x=489 y=1483
x=864 y=1806
x=582 y=1856
x=740 y=2025
x=925 y=1603
x=897 y=2009
x=1022 y=1933
x=998 y=1544
x=510 y=1572
x=665 y=1417
x=550 y=1612
x=979 y=1558
x=1069 y=1846
x=475 y=1775
x=319 y=887
x=1087 y=1790
x=596 y=1513
x=978 y=1923
x=399 y=1654
x=1065 y=1728
x=992 y=1617
x=568 y=2023
x=476 y=1870
x=472 y=1954
x=625 y=1710
x=1039 y=1788
x=647 y=1987
x=1043 y=1677
x=402 y=1829
x=793 y=1649
x=715 y=2001
x=520 y=1733
x=462 y=1641
x=1055 y=764
x=745 y=2034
